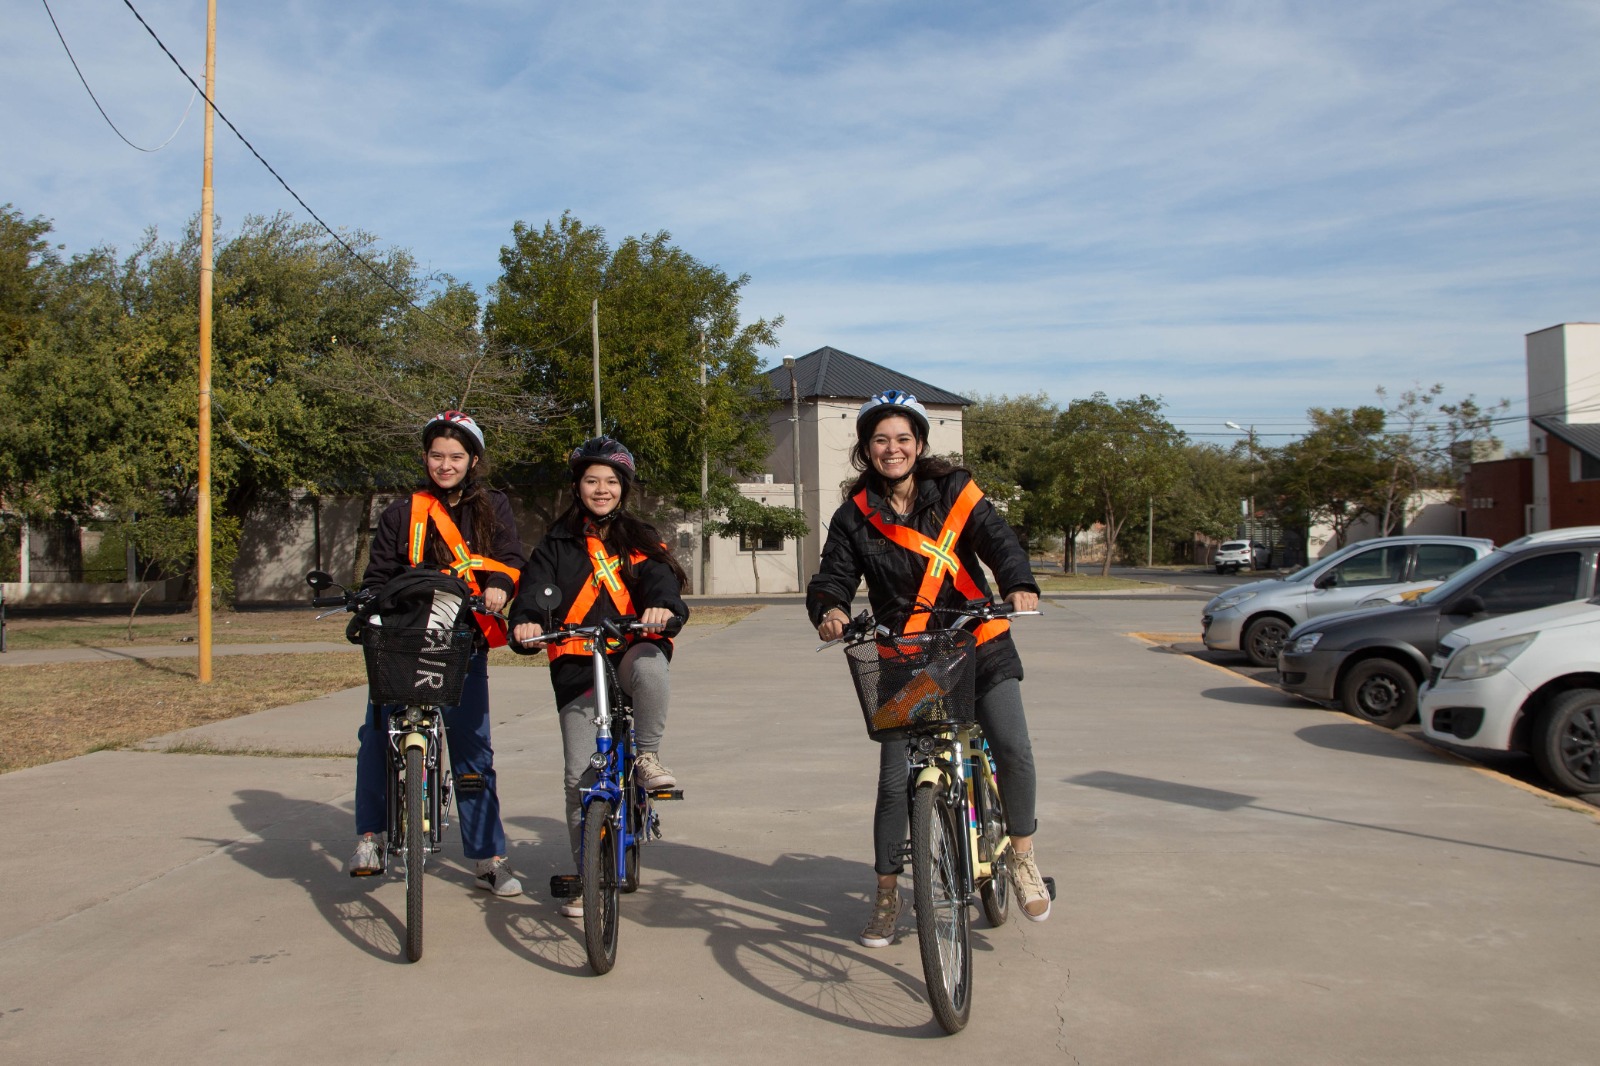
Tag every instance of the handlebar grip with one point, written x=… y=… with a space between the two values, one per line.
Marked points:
x=328 y=601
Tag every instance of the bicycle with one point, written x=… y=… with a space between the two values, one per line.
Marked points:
x=618 y=816
x=918 y=688
x=401 y=664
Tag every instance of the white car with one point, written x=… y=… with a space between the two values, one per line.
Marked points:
x=1523 y=682
x=1235 y=555
x=1255 y=618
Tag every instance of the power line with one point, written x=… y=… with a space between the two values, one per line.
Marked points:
x=79 y=70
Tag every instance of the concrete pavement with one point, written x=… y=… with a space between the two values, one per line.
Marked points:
x=1243 y=879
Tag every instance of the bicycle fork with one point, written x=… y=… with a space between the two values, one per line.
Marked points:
x=946 y=770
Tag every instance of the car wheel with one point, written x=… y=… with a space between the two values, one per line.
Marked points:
x=1221 y=569
x=1262 y=640
x=1380 y=691
x=1566 y=741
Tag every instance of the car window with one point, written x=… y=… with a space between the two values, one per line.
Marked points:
x=1467 y=577
x=1435 y=562
x=1537 y=582
x=1380 y=566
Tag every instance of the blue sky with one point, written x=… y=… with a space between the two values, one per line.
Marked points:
x=1245 y=208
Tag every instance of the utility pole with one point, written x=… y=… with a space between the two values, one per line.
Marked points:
x=594 y=329
x=207 y=278
x=705 y=478
x=794 y=441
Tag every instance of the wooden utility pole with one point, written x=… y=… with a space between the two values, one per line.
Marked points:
x=203 y=492
x=594 y=325
x=705 y=477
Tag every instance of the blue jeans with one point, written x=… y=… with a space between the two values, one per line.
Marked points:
x=466 y=728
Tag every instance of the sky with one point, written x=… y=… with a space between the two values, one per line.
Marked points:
x=1246 y=209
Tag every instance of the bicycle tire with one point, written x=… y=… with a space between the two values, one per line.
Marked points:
x=943 y=934
x=636 y=805
x=414 y=839
x=995 y=891
x=600 y=887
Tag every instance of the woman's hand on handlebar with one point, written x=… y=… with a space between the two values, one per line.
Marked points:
x=832 y=625
x=494 y=599
x=656 y=617
x=527 y=631
x=1023 y=600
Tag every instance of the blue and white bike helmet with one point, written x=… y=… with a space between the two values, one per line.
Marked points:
x=891 y=402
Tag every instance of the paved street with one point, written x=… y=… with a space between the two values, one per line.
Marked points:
x=1243 y=879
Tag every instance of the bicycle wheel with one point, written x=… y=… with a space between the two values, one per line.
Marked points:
x=414 y=840
x=942 y=931
x=995 y=892
x=638 y=811
x=600 y=886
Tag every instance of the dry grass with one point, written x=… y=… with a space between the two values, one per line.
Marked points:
x=1056 y=582
x=59 y=710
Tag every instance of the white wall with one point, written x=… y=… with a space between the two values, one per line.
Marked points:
x=1563 y=382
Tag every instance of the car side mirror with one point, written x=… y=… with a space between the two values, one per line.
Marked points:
x=1469 y=606
x=319 y=580
x=1328 y=580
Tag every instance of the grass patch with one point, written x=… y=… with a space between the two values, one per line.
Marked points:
x=1054 y=582
x=56 y=711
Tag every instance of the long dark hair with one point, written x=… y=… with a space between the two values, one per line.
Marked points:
x=927 y=465
x=622 y=531
x=474 y=493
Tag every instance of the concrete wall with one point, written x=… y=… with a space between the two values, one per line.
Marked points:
x=1563 y=382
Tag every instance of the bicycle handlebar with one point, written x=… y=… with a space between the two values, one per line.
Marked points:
x=607 y=627
x=864 y=625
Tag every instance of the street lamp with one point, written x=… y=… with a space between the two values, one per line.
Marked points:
x=1250 y=515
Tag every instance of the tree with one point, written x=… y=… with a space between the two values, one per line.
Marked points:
x=753 y=521
x=1330 y=474
x=27 y=267
x=662 y=313
x=1204 y=500
x=1006 y=444
x=1119 y=456
x=1422 y=447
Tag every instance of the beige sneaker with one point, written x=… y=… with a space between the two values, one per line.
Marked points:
x=1026 y=882
x=649 y=772
x=879 y=932
x=368 y=859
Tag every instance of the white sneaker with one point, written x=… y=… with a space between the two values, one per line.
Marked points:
x=649 y=772
x=1029 y=885
x=496 y=876
x=368 y=859
x=572 y=908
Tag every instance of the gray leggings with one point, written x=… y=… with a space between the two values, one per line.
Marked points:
x=643 y=673
x=1006 y=727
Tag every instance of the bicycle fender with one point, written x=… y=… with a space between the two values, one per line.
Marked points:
x=414 y=740
x=931 y=775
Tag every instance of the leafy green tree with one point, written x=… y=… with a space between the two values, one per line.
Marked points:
x=1006 y=443
x=1119 y=456
x=1422 y=447
x=1330 y=475
x=662 y=313
x=27 y=267
x=752 y=521
x=1204 y=500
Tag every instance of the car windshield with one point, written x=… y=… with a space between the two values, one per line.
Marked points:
x=1467 y=575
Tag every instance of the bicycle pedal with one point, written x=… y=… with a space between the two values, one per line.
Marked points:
x=666 y=793
x=467 y=784
x=367 y=873
x=566 y=886
x=903 y=852
x=1050 y=886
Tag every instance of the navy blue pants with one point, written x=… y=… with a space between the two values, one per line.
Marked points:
x=466 y=728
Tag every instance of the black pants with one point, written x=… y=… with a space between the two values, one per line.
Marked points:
x=1005 y=725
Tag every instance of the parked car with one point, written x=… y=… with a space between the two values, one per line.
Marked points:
x=1234 y=555
x=1373 y=661
x=1255 y=618
x=1525 y=682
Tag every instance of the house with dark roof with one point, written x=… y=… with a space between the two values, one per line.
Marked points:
x=809 y=465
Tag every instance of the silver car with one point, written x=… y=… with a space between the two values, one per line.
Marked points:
x=1255 y=618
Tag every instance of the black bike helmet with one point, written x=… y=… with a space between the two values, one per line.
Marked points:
x=607 y=450
x=891 y=402
x=463 y=422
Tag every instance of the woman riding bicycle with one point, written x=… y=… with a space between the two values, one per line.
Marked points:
x=915 y=527
x=607 y=563
x=457 y=524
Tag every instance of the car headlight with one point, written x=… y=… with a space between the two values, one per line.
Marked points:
x=1230 y=600
x=1487 y=659
x=1303 y=644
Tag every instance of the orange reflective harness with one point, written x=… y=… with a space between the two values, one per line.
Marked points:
x=941 y=556
x=608 y=575
x=425 y=508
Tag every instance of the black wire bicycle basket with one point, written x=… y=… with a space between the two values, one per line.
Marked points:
x=416 y=665
x=916 y=682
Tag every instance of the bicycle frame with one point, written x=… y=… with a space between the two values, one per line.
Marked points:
x=951 y=760
x=612 y=762
x=418 y=726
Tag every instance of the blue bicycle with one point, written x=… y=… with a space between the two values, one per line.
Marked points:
x=618 y=815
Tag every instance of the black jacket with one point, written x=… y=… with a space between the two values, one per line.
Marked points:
x=855 y=550
x=390 y=545
x=562 y=559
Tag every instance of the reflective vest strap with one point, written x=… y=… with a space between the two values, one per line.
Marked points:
x=425 y=508
x=941 y=554
x=608 y=575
